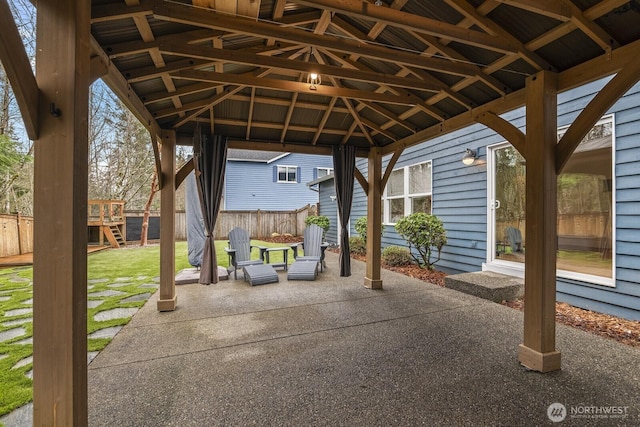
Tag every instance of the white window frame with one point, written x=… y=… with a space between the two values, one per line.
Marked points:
x=517 y=269
x=406 y=196
x=328 y=171
x=287 y=168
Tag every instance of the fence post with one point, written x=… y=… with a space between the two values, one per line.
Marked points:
x=259 y=225
x=19 y=233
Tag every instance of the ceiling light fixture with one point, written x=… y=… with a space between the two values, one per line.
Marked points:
x=314 y=80
x=378 y=3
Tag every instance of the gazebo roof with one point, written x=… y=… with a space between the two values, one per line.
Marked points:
x=393 y=73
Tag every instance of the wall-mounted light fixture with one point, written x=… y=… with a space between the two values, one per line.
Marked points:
x=333 y=198
x=469 y=157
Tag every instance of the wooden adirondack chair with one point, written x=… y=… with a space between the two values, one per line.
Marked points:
x=312 y=245
x=239 y=250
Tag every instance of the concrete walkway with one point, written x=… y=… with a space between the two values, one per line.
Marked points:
x=330 y=352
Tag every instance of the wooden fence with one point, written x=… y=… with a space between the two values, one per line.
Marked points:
x=258 y=223
x=17 y=235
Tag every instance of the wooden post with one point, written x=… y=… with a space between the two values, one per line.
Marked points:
x=168 y=299
x=60 y=212
x=374 y=220
x=538 y=349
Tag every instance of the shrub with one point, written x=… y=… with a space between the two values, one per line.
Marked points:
x=395 y=256
x=361 y=228
x=321 y=221
x=423 y=232
x=357 y=246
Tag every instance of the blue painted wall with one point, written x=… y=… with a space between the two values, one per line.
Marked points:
x=251 y=186
x=460 y=199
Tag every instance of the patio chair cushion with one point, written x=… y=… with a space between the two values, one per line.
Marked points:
x=303 y=270
x=260 y=274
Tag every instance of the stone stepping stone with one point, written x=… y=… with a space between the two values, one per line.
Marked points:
x=23 y=362
x=96 y=281
x=26 y=341
x=109 y=293
x=17 y=322
x=141 y=278
x=11 y=334
x=27 y=301
x=19 y=280
x=94 y=303
x=2 y=356
x=106 y=332
x=3 y=299
x=119 y=284
x=18 y=312
x=124 y=279
x=116 y=313
x=149 y=285
x=136 y=298
x=29 y=374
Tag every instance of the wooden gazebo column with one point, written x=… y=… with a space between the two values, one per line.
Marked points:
x=538 y=351
x=60 y=212
x=372 y=278
x=168 y=300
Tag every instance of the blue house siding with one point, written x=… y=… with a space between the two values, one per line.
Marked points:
x=329 y=208
x=460 y=199
x=251 y=185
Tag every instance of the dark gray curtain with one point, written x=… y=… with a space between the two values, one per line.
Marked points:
x=344 y=165
x=210 y=158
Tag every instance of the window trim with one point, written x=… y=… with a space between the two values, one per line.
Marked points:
x=326 y=169
x=288 y=167
x=406 y=196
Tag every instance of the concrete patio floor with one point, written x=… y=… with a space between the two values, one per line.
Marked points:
x=331 y=352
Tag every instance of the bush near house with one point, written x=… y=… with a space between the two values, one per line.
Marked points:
x=357 y=246
x=395 y=256
x=319 y=220
x=361 y=228
x=423 y=232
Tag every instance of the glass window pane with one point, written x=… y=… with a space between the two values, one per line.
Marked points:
x=282 y=174
x=395 y=186
x=420 y=178
x=396 y=209
x=292 y=175
x=421 y=204
x=584 y=205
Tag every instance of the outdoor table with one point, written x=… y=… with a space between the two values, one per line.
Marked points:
x=264 y=254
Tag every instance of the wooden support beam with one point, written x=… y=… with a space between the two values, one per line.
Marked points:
x=18 y=69
x=508 y=131
x=168 y=300
x=184 y=171
x=389 y=169
x=60 y=206
x=362 y=180
x=372 y=278
x=538 y=349
x=618 y=86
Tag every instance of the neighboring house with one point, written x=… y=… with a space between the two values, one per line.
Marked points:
x=598 y=211
x=269 y=180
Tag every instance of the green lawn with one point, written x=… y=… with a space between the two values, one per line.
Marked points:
x=132 y=272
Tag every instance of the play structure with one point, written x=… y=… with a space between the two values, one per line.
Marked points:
x=105 y=218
